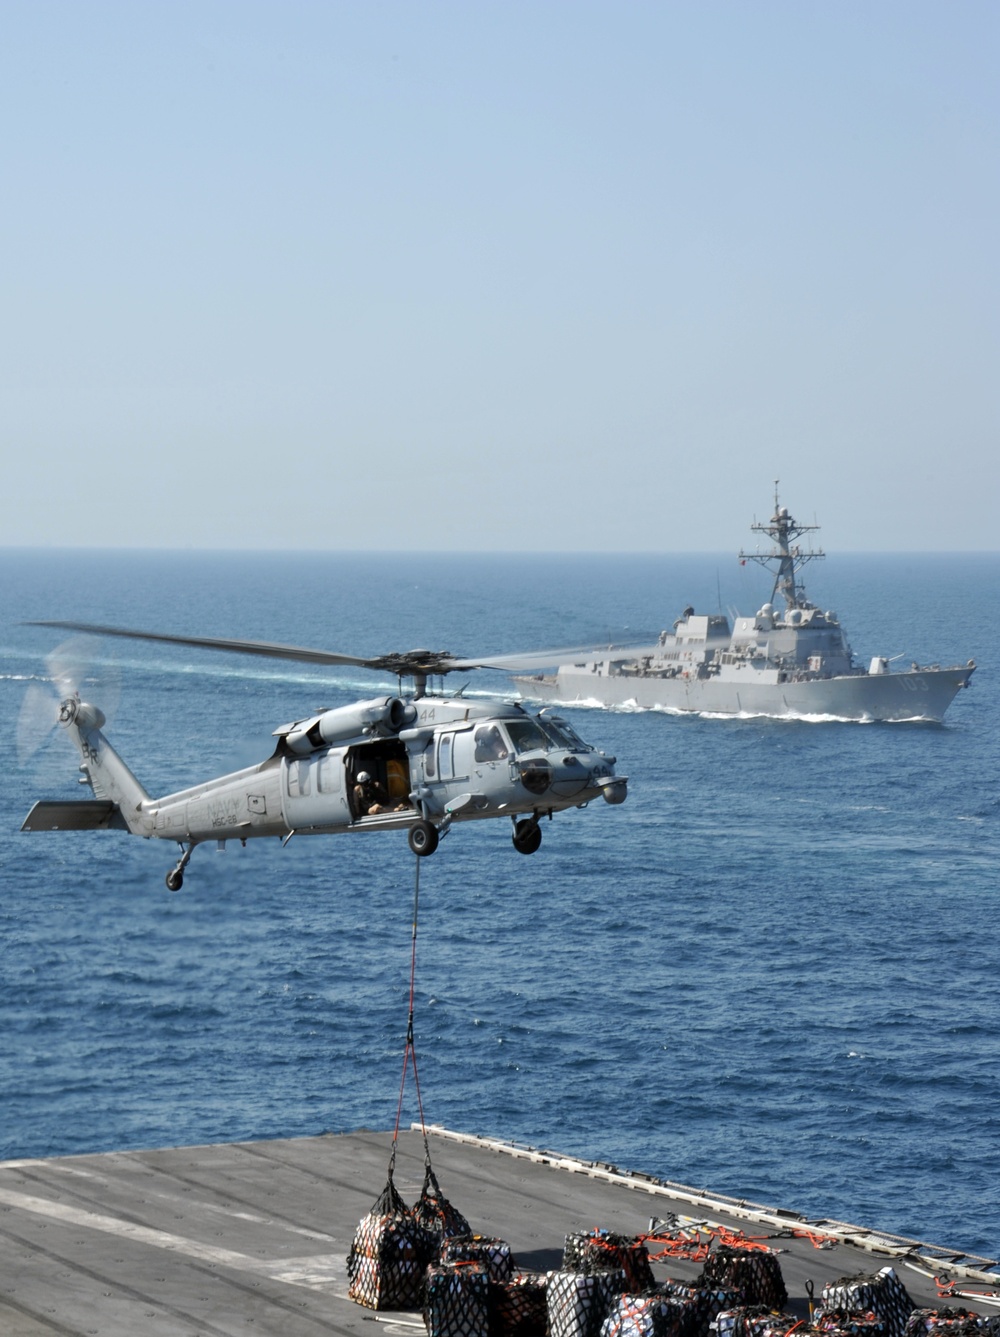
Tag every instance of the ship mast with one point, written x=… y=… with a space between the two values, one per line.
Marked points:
x=783 y=531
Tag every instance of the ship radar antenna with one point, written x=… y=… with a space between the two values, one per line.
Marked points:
x=783 y=530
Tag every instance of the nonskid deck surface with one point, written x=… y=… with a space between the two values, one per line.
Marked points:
x=248 y=1237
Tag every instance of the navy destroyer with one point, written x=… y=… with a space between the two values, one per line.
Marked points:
x=790 y=659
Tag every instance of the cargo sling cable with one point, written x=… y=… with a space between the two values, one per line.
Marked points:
x=411 y=1049
x=433 y=1210
x=394 y=1243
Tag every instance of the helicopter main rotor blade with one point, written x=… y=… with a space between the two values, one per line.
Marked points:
x=417 y=664
x=269 y=649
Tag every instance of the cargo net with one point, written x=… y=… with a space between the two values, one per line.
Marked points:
x=668 y=1240
x=579 y=1302
x=701 y=1304
x=457 y=1302
x=670 y=1237
x=752 y=1321
x=645 y=1316
x=951 y=1323
x=883 y=1295
x=492 y=1255
x=389 y=1255
x=599 y=1250
x=519 y=1305
x=435 y=1213
x=845 y=1323
x=755 y=1273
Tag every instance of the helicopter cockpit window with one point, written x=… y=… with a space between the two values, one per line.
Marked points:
x=490 y=744
x=563 y=735
x=526 y=736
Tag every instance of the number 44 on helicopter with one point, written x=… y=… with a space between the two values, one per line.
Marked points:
x=415 y=762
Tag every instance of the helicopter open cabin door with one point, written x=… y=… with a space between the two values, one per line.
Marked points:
x=377 y=776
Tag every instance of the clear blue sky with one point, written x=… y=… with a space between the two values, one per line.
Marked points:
x=549 y=275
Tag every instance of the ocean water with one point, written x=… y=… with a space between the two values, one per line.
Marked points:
x=773 y=972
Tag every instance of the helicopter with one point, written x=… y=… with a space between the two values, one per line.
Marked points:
x=415 y=762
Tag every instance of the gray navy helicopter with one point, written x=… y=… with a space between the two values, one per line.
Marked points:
x=413 y=762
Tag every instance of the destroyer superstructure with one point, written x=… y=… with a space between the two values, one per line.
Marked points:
x=789 y=659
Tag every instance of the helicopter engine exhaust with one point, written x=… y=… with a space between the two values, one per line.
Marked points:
x=382 y=717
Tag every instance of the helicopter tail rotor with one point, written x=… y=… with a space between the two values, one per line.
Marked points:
x=70 y=669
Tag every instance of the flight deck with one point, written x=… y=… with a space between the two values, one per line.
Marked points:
x=252 y=1237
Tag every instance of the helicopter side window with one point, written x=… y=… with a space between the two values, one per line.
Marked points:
x=429 y=760
x=444 y=757
x=526 y=736
x=298 y=779
x=490 y=744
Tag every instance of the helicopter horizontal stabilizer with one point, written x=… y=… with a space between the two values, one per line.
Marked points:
x=74 y=815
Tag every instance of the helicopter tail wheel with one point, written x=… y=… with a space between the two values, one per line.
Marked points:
x=527 y=836
x=423 y=838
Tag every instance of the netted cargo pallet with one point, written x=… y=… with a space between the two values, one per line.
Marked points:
x=389 y=1255
x=457 y=1300
x=600 y=1249
x=435 y=1213
x=843 y=1323
x=882 y=1294
x=752 y=1321
x=645 y=1316
x=755 y=1273
x=701 y=1304
x=949 y=1322
x=579 y=1302
x=492 y=1254
x=519 y=1306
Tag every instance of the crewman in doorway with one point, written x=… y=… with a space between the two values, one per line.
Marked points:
x=369 y=795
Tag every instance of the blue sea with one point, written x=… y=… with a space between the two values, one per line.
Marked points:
x=773 y=972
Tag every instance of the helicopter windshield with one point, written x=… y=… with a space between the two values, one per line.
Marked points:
x=526 y=736
x=563 y=735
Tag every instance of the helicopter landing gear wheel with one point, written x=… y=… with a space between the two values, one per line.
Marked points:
x=527 y=836
x=175 y=878
x=423 y=838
